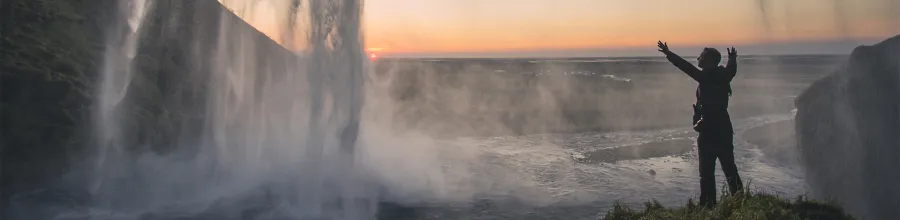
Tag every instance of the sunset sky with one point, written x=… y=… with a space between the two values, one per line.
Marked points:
x=514 y=26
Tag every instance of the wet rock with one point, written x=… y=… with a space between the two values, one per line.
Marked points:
x=50 y=65
x=848 y=124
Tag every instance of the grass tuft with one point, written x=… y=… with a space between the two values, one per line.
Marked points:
x=743 y=205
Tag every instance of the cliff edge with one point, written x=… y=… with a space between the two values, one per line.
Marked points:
x=848 y=128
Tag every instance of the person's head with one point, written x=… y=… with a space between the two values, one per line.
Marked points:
x=709 y=58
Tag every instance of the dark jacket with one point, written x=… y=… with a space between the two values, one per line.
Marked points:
x=713 y=92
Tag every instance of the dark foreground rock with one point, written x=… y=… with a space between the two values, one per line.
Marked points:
x=848 y=126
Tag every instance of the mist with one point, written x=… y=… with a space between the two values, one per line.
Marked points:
x=200 y=114
x=425 y=126
x=446 y=96
x=845 y=161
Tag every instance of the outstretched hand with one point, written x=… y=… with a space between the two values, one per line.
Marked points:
x=663 y=47
x=732 y=53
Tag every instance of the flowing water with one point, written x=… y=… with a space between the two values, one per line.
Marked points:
x=310 y=139
x=289 y=131
x=117 y=73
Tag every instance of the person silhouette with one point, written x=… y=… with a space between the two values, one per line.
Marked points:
x=711 y=119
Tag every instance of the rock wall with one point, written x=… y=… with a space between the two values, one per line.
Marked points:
x=52 y=52
x=49 y=57
x=848 y=127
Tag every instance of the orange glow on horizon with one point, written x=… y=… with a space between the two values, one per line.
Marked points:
x=460 y=26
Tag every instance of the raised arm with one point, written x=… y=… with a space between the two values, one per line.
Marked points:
x=731 y=67
x=679 y=62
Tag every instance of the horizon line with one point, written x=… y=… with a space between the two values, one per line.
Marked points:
x=841 y=46
x=388 y=57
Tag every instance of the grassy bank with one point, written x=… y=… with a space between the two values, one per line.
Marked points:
x=747 y=205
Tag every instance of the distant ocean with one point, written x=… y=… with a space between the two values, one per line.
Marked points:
x=615 y=129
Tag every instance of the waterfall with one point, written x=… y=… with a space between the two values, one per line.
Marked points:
x=279 y=129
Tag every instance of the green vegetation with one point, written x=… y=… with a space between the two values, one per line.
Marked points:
x=746 y=205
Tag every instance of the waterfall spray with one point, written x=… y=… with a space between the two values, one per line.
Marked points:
x=275 y=123
x=121 y=49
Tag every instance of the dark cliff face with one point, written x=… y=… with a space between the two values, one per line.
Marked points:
x=849 y=132
x=50 y=63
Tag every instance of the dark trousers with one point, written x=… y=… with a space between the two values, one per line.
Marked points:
x=712 y=146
